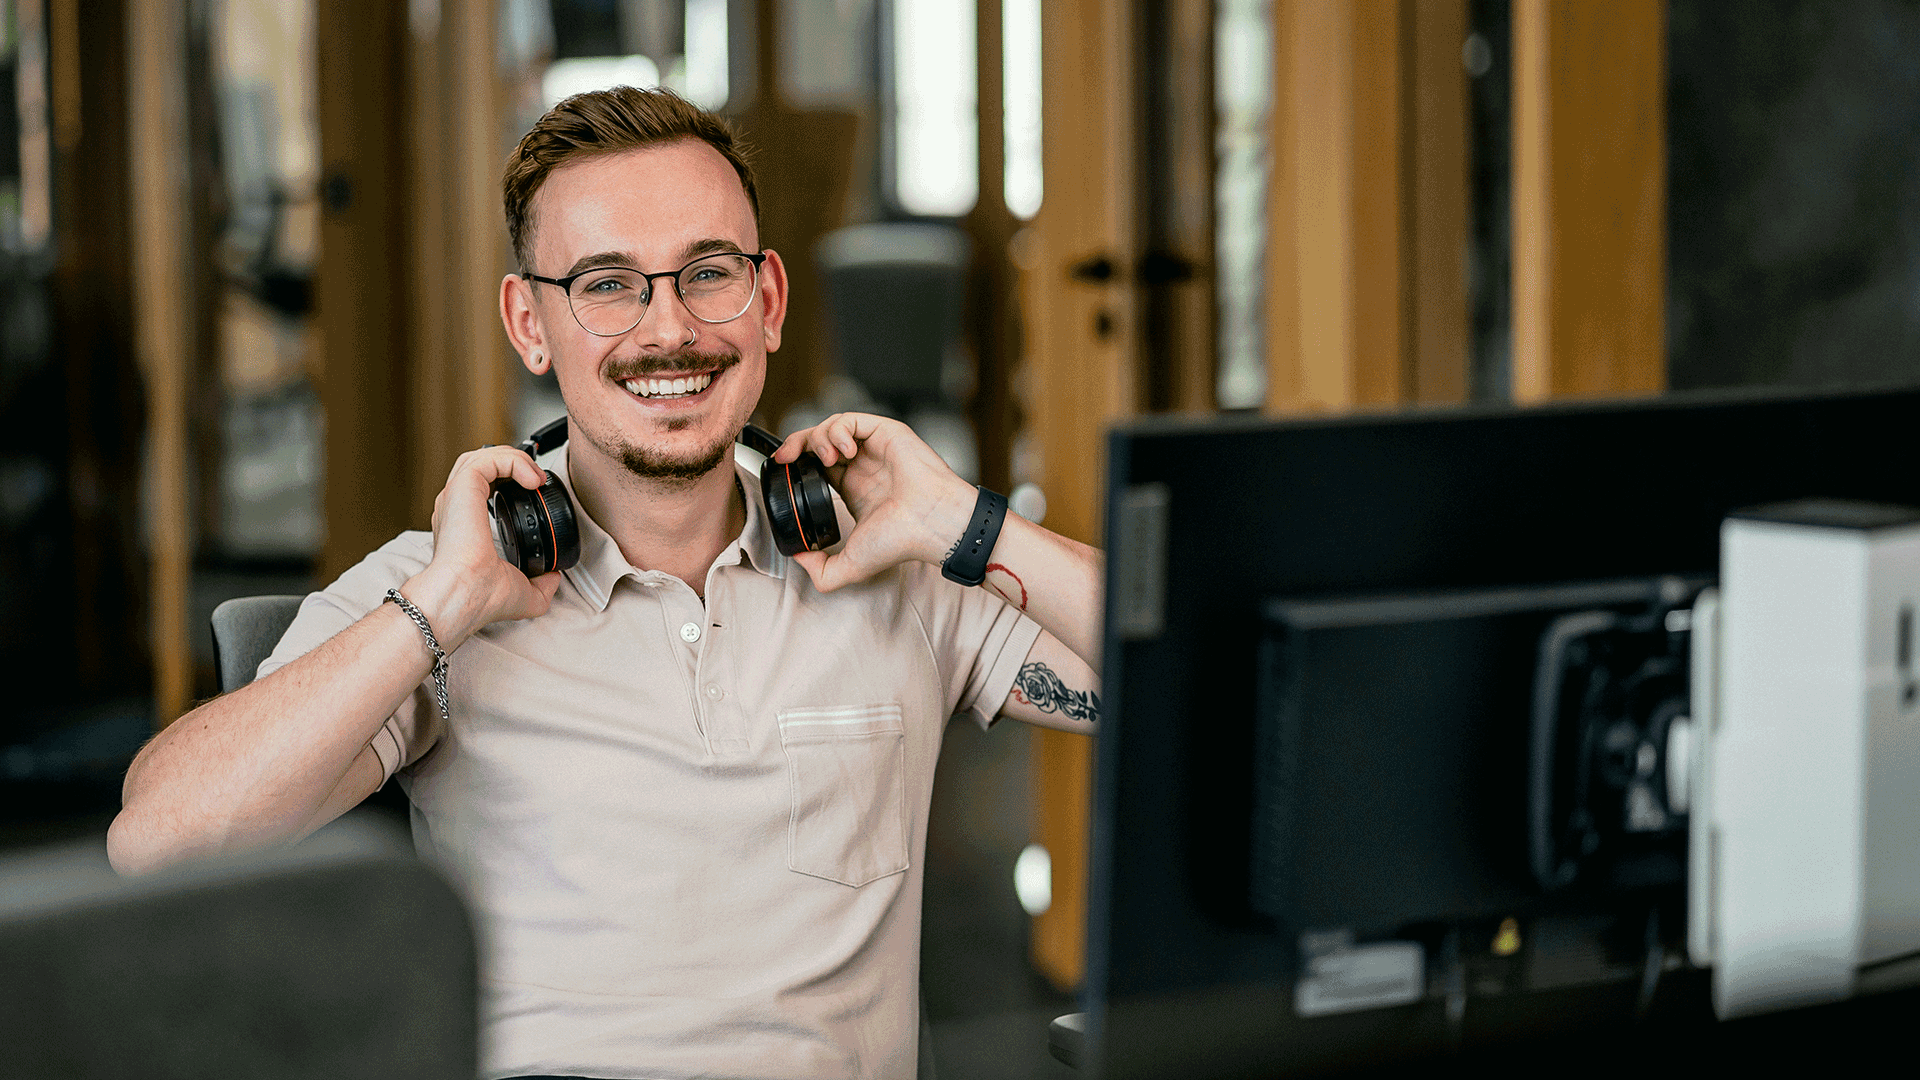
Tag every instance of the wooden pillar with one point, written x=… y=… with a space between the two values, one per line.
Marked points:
x=1589 y=198
x=804 y=162
x=1083 y=371
x=1441 y=202
x=1176 y=198
x=1367 y=205
x=114 y=646
x=459 y=362
x=414 y=366
x=361 y=282
x=993 y=327
x=164 y=333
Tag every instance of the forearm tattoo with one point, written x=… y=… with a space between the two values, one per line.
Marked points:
x=1038 y=686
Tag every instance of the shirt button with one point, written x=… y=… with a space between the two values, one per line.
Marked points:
x=716 y=693
x=690 y=632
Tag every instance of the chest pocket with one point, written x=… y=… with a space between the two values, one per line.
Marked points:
x=846 y=770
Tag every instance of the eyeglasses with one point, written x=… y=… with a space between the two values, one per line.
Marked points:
x=610 y=300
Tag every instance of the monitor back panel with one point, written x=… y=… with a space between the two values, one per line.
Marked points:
x=1212 y=522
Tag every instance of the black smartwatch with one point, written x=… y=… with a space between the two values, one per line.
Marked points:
x=967 y=562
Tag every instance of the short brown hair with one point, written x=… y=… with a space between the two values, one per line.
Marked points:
x=606 y=122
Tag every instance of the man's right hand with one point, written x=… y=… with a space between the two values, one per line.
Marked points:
x=468 y=584
x=284 y=755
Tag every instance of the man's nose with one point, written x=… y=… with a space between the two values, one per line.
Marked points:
x=666 y=323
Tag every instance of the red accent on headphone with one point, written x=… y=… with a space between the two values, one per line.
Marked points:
x=553 y=542
x=794 y=501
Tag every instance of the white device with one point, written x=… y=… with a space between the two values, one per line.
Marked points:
x=1804 y=785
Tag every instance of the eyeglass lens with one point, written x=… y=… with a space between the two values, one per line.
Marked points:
x=715 y=289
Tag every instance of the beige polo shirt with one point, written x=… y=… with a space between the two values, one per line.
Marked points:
x=691 y=833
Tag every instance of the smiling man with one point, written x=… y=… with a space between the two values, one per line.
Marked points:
x=684 y=782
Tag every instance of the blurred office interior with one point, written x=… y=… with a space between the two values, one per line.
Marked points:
x=250 y=250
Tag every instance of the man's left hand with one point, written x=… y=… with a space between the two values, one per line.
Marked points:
x=906 y=503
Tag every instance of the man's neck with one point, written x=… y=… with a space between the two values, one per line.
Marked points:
x=675 y=529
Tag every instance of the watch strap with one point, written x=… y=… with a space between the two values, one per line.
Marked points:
x=967 y=562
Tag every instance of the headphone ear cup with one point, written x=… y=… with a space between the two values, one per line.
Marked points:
x=799 y=505
x=537 y=528
x=813 y=504
x=563 y=527
x=777 y=496
x=513 y=522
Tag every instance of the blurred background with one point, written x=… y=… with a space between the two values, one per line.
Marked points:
x=249 y=254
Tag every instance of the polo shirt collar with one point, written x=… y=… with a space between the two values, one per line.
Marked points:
x=601 y=564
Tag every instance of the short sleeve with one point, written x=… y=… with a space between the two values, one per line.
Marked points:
x=412 y=729
x=979 y=640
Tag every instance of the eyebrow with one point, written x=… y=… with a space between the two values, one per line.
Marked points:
x=709 y=246
x=712 y=245
x=596 y=261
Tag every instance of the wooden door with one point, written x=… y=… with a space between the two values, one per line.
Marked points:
x=1082 y=371
x=1589 y=199
x=1367 y=206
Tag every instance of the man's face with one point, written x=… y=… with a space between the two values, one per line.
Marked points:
x=652 y=210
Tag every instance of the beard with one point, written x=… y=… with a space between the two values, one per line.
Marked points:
x=666 y=470
x=654 y=464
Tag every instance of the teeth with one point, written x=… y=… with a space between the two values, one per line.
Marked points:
x=692 y=384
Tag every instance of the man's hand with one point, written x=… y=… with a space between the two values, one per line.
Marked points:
x=284 y=755
x=468 y=584
x=906 y=503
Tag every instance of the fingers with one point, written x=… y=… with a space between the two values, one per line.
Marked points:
x=791 y=446
x=492 y=463
x=548 y=583
x=840 y=569
x=473 y=474
x=835 y=439
x=840 y=436
x=820 y=567
x=460 y=509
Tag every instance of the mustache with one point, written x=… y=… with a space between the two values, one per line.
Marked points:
x=679 y=363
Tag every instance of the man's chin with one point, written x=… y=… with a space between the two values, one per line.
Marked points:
x=673 y=470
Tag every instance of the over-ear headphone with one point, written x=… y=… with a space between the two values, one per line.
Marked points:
x=539 y=532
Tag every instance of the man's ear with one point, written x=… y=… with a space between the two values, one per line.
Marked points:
x=523 y=324
x=773 y=298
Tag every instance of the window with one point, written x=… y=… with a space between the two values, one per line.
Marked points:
x=935 y=107
x=1020 y=90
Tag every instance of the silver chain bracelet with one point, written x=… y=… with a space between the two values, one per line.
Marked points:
x=439 y=654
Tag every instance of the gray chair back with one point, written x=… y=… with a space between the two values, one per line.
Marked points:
x=342 y=957
x=245 y=630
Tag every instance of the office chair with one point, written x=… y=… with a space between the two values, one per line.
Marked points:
x=342 y=957
x=246 y=629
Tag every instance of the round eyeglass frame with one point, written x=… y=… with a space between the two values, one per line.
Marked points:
x=565 y=285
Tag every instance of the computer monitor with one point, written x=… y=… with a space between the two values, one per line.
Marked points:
x=1323 y=834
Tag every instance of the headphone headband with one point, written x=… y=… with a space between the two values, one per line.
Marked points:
x=546 y=438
